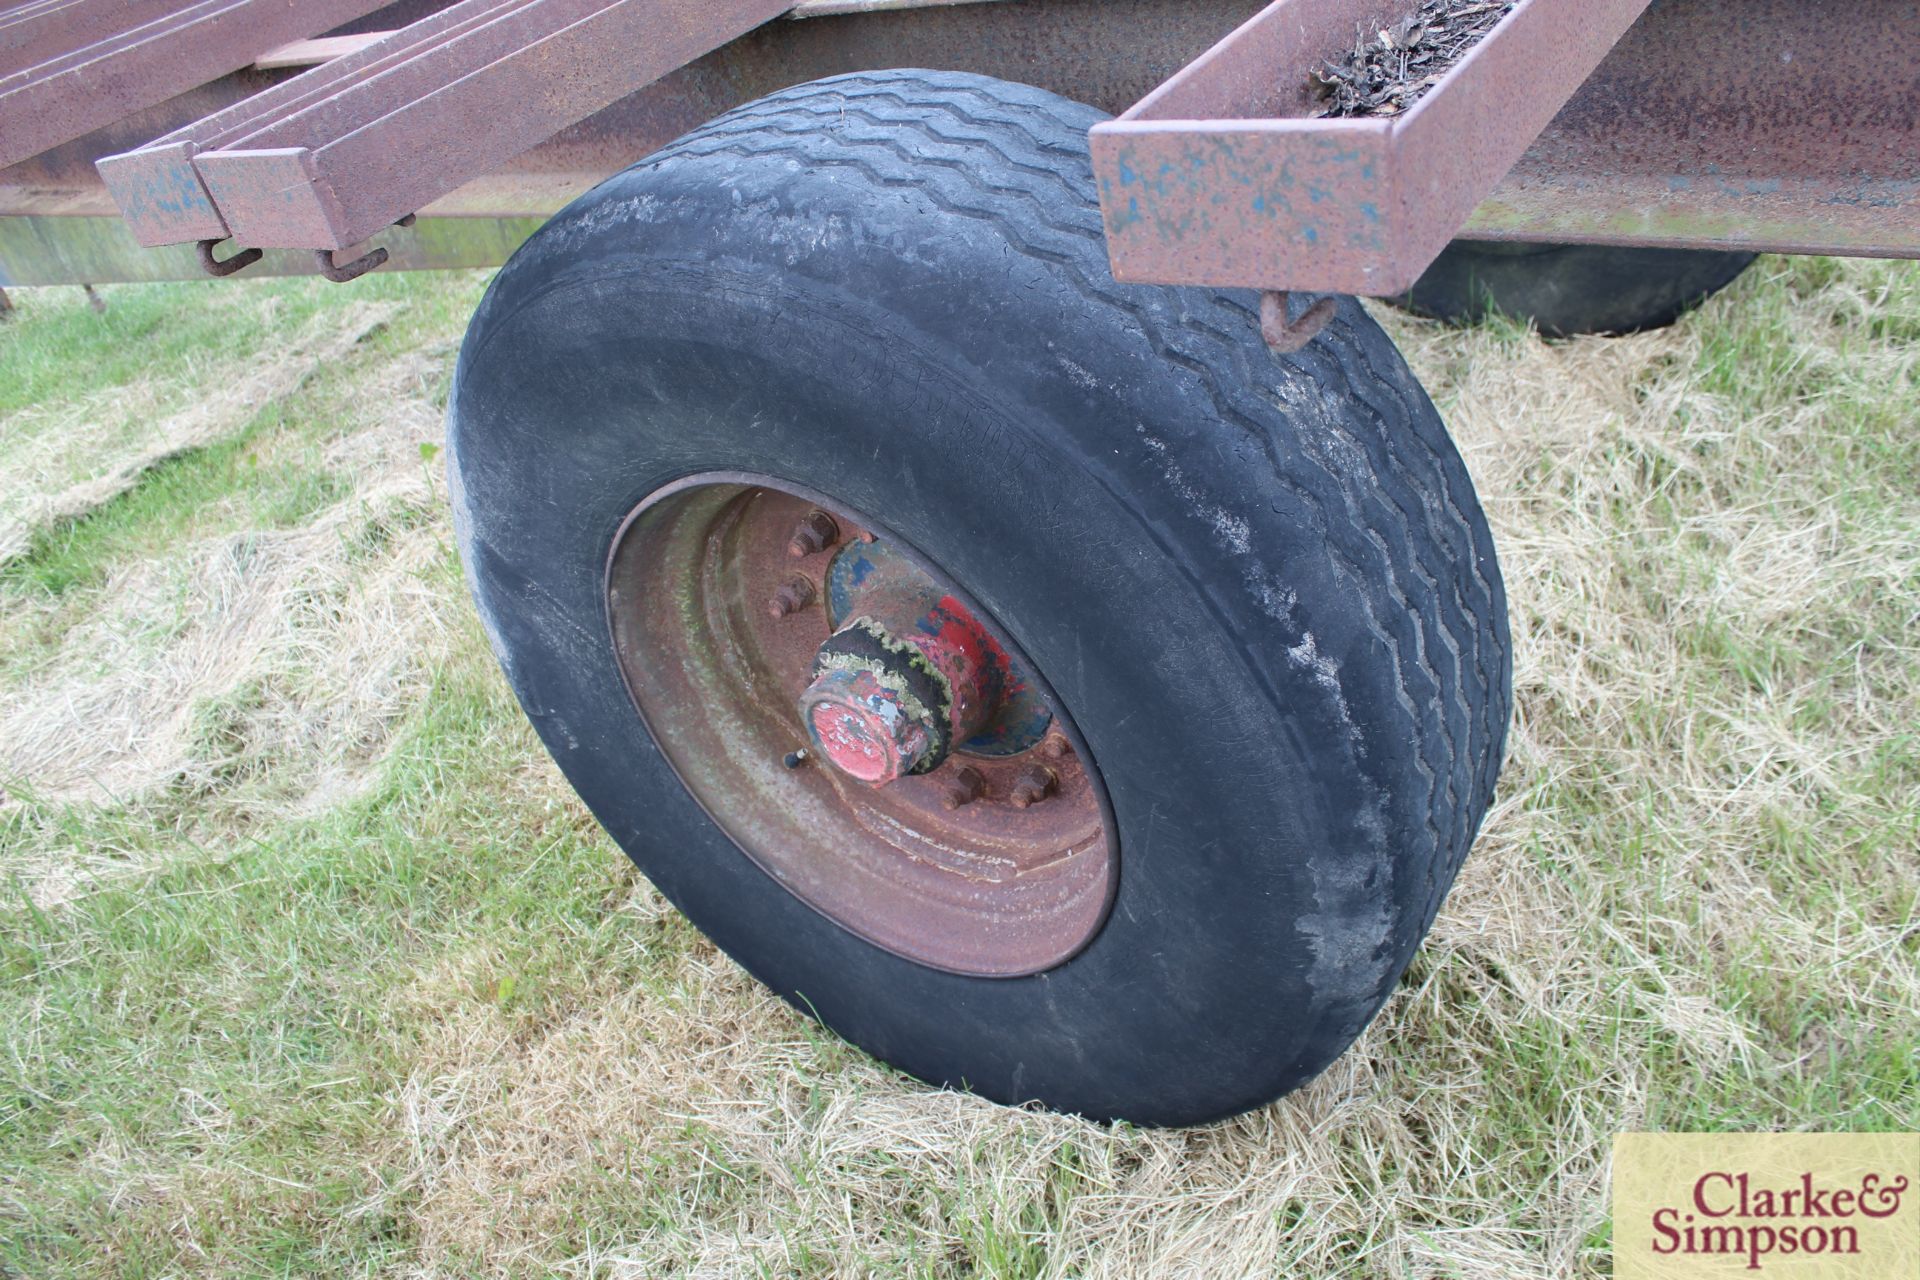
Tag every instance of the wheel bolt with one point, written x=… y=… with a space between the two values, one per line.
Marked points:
x=815 y=533
x=1032 y=785
x=963 y=785
x=795 y=594
x=1055 y=745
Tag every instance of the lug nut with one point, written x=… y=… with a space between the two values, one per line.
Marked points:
x=795 y=594
x=815 y=533
x=963 y=785
x=1032 y=785
x=1055 y=745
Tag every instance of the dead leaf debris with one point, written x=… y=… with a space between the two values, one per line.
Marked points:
x=1389 y=69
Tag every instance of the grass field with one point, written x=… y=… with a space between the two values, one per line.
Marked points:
x=310 y=964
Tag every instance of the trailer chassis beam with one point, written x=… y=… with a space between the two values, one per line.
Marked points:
x=1784 y=125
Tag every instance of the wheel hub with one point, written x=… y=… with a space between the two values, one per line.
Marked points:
x=900 y=685
x=860 y=728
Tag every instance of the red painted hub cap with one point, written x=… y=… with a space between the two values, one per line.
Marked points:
x=899 y=687
x=865 y=729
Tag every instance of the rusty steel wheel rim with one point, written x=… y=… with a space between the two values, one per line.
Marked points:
x=859 y=727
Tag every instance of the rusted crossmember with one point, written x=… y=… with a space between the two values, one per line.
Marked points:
x=157 y=188
x=68 y=67
x=346 y=150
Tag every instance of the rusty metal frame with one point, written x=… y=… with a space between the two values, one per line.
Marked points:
x=158 y=188
x=320 y=49
x=1755 y=124
x=329 y=158
x=1785 y=125
x=332 y=173
x=1107 y=52
x=848 y=8
x=32 y=34
x=1222 y=176
x=95 y=61
x=96 y=249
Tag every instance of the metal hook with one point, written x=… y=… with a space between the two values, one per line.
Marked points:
x=352 y=270
x=366 y=262
x=1287 y=336
x=214 y=267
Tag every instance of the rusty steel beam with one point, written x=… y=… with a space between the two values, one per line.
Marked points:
x=160 y=191
x=1785 y=125
x=31 y=34
x=96 y=78
x=320 y=49
x=1223 y=177
x=76 y=34
x=333 y=173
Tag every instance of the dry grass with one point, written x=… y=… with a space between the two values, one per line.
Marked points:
x=341 y=980
x=291 y=652
x=112 y=714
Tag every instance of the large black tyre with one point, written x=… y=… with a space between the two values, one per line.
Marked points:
x=1569 y=289
x=1261 y=586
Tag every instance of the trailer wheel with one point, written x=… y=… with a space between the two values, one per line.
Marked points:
x=1036 y=679
x=1570 y=289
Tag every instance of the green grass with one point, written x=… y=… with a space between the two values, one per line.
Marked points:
x=177 y=341
x=426 y=1019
